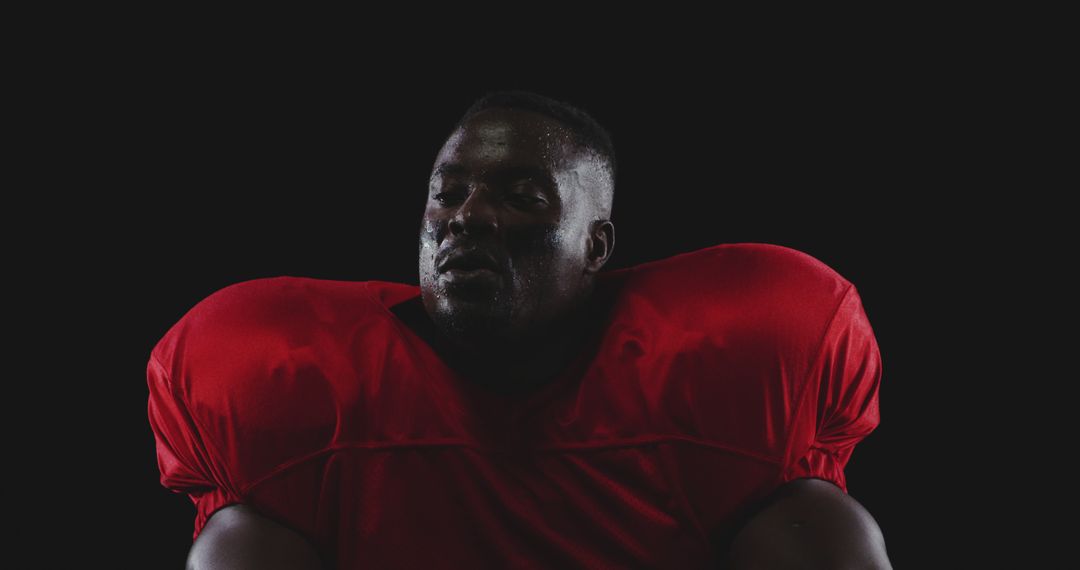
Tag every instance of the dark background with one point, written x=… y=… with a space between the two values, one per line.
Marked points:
x=189 y=168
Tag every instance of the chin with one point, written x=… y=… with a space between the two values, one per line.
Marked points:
x=472 y=322
x=470 y=318
x=469 y=312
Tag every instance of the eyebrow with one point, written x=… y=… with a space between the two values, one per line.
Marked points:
x=512 y=172
x=449 y=168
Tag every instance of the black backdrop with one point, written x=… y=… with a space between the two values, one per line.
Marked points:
x=192 y=170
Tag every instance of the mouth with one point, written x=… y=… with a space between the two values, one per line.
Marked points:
x=460 y=274
x=469 y=263
x=471 y=271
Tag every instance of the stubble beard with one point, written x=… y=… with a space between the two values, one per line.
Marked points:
x=476 y=325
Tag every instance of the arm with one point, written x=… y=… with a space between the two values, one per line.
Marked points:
x=809 y=524
x=238 y=538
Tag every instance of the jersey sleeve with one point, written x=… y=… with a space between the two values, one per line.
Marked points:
x=839 y=404
x=185 y=457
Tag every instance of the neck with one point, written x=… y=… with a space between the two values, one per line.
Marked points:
x=529 y=362
x=536 y=360
x=515 y=367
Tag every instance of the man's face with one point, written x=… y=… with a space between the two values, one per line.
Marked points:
x=508 y=185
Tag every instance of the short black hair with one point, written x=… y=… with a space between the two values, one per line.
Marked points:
x=586 y=131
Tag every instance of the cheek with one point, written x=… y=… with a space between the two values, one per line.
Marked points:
x=571 y=241
x=430 y=226
x=534 y=243
x=428 y=245
x=427 y=255
x=542 y=265
x=573 y=222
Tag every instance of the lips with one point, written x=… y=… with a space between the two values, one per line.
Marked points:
x=469 y=259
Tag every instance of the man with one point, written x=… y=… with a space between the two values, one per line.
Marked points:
x=522 y=408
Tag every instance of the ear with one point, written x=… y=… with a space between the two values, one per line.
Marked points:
x=601 y=243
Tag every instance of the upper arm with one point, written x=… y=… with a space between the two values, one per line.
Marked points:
x=810 y=523
x=238 y=538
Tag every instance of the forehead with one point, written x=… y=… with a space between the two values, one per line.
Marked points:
x=496 y=138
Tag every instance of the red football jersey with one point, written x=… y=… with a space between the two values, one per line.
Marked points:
x=719 y=375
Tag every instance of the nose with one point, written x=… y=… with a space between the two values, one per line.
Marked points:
x=475 y=215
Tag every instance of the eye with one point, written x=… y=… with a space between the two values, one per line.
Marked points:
x=442 y=197
x=527 y=199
